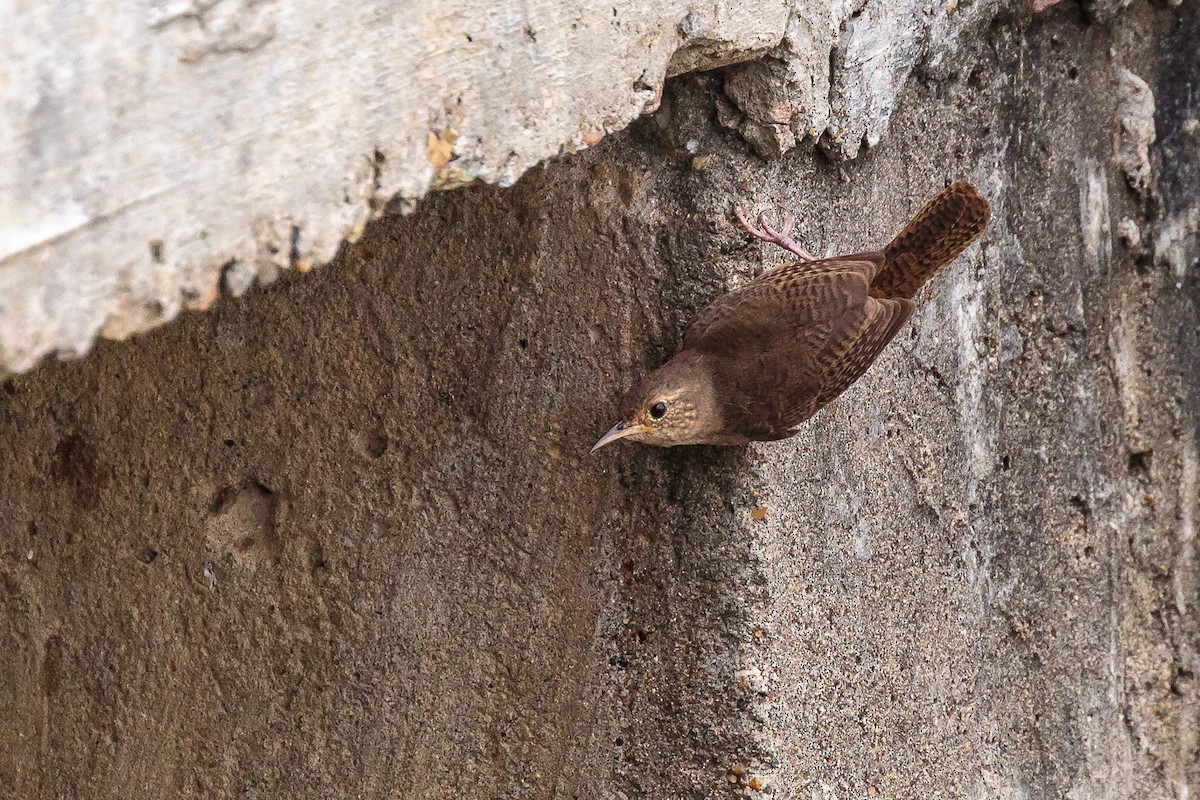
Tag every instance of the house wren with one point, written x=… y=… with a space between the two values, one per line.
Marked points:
x=767 y=356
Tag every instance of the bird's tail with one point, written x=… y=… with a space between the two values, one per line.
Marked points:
x=936 y=236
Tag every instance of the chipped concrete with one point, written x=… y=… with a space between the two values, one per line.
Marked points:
x=1136 y=112
x=974 y=575
x=1175 y=245
x=839 y=69
x=243 y=525
x=180 y=148
x=149 y=147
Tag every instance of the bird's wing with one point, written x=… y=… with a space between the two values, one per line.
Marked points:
x=783 y=303
x=848 y=353
x=777 y=388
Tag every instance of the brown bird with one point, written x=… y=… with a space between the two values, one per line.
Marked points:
x=764 y=358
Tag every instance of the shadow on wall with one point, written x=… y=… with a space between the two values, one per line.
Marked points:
x=345 y=532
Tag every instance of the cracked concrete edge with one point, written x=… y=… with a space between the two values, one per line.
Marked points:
x=836 y=74
x=152 y=154
x=162 y=152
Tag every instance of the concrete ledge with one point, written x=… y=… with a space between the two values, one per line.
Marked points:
x=150 y=149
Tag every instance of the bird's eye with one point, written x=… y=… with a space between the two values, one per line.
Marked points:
x=658 y=410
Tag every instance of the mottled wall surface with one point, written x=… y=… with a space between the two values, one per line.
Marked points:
x=341 y=537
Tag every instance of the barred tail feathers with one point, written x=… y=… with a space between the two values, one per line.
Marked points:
x=937 y=235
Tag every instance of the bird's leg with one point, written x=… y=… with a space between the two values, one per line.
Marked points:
x=765 y=232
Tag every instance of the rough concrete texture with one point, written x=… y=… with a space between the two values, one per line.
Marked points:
x=152 y=152
x=149 y=148
x=340 y=537
x=838 y=71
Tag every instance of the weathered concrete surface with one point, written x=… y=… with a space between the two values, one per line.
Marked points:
x=837 y=73
x=148 y=147
x=151 y=152
x=341 y=538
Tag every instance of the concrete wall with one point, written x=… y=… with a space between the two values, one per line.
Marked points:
x=340 y=536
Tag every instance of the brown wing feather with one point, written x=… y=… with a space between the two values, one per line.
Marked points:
x=778 y=388
x=782 y=303
x=846 y=359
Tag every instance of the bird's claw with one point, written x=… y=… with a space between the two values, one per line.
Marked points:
x=765 y=232
x=772 y=235
x=789 y=221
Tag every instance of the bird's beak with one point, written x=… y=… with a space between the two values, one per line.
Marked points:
x=618 y=431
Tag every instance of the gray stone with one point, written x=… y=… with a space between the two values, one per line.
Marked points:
x=1136 y=114
x=839 y=69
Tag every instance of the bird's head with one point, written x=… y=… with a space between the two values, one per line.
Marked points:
x=673 y=405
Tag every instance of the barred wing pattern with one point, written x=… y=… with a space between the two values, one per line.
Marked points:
x=793 y=339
